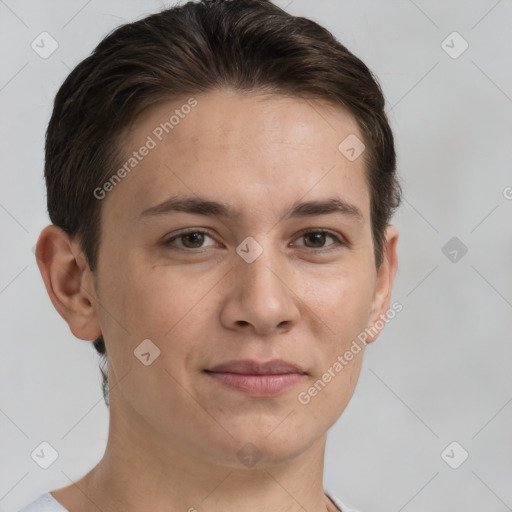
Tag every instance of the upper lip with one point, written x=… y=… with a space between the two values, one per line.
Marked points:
x=251 y=367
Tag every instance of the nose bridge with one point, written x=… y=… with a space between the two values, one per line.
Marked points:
x=260 y=295
x=260 y=278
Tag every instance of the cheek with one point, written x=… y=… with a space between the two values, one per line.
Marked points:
x=149 y=301
x=344 y=305
x=167 y=301
x=145 y=303
x=335 y=386
x=342 y=301
x=165 y=305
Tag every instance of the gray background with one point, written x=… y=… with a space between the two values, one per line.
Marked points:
x=440 y=372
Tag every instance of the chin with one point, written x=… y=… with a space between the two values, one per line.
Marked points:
x=255 y=448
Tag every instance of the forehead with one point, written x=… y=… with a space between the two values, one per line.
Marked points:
x=229 y=120
x=257 y=150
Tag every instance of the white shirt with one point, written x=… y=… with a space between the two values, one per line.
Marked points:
x=47 y=503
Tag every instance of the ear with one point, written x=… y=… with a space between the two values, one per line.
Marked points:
x=69 y=281
x=384 y=284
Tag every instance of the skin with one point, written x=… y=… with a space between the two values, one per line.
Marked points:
x=174 y=432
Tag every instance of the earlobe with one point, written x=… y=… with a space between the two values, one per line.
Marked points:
x=68 y=281
x=384 y=283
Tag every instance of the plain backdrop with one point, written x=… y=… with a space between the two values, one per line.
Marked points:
x=441 y=369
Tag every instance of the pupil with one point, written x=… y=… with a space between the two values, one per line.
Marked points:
x=194 y=236
x=321 y=235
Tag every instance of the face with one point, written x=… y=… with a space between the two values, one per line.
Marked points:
x=261 y=279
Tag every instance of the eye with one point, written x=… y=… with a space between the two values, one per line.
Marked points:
x=318 y=237
x=195 y=238
x=192 y=239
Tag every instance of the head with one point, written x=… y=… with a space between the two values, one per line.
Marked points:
x=237 y=103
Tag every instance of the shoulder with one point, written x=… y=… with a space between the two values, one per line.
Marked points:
x=44 y=503
x=47 y=503
x=338 y=502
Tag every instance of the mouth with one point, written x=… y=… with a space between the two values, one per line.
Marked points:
x=257 y=378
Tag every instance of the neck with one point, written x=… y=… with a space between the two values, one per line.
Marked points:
x=139 y=472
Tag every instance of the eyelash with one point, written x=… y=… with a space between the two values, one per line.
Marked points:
x=339 y=241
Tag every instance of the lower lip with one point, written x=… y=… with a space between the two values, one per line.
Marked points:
x=257 y=385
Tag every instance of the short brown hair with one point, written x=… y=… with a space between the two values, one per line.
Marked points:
x=246 y=45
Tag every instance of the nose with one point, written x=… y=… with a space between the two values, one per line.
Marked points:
x=261 y=296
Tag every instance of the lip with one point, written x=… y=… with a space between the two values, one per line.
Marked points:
x=252 y=367
x=257 y=378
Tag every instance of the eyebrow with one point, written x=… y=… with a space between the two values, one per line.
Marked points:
x=202 y=206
